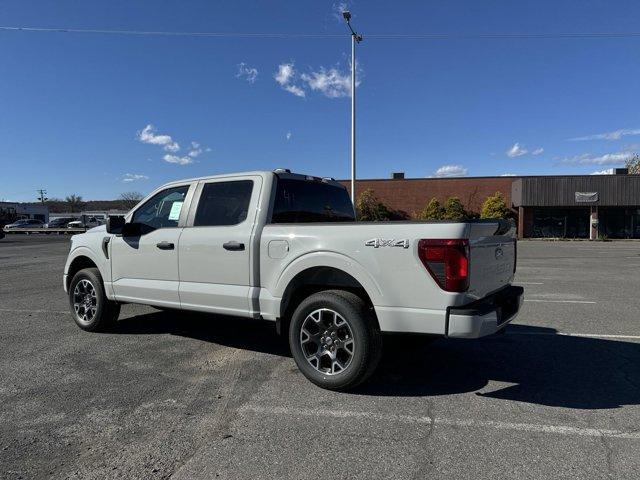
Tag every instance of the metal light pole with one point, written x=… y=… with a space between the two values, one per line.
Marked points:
x=355 y=38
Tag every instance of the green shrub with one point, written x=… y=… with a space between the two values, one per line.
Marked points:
x=495 y=207
x=432 y=211
x=453 y=209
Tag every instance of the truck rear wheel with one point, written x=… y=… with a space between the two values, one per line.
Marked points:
x=91 y=309
x=335 y=340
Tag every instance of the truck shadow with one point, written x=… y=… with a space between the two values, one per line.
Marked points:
x=534 y=364
x=246 y=334
x=527 y=364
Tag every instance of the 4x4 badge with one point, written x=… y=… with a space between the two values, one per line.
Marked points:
x=382 y=242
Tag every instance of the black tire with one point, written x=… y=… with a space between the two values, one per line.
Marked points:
x=366 y=341
x=96 y=312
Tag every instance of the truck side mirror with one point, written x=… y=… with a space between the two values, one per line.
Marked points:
x=115 y=224
x=133 y=229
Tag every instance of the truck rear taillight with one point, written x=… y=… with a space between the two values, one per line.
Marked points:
x=447 y=261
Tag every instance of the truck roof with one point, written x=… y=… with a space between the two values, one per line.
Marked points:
x=280 y=172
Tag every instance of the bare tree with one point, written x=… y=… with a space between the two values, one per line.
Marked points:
x=74 y=202
x=130 y=199
x=633 y=164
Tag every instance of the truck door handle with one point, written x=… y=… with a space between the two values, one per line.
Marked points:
x=165 y=246
x=233 y=245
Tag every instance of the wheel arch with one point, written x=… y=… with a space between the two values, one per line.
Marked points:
x=315 y=279
x=79 y=262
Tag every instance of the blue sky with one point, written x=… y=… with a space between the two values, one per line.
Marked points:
x=75 y=108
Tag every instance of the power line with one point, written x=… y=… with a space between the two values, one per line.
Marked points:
x=479 y=36
x=172 y=34
x=389 y=36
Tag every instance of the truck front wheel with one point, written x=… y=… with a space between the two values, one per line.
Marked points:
x=90 y=307
x=335 y=340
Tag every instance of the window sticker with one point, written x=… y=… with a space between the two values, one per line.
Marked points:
x=174 y=214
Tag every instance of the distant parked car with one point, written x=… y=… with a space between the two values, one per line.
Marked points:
x=24 y=223
x=90 y=222
x=61 y=222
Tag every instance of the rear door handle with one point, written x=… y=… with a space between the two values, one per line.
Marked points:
x=165 y=246
x=233 y=245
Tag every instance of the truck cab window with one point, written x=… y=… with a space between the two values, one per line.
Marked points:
x=223 y=203
x=300 y=201
x=163 y=209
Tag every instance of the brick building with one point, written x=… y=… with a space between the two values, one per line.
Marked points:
x=566 y=206
x=411 y=195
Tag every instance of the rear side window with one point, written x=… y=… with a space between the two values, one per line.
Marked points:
x=300 y=201
x=223 y=203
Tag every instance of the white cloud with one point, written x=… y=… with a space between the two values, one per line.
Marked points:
x=451 y=171
x=616 y=158
x=195 y=150
x=250 y=74
x=148 y=135
x=516 y=151
x=332 y=83
x=297 y=91
x=184 y=160
x=538 y=151
x=288 y=136
x=615 y=135
x=508 y=175
x=133 y=177
x=608 y=171
x=285 y=75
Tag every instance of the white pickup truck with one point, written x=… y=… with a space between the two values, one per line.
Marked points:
x=287 y=248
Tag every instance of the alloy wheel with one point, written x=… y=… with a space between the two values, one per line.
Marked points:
x=85 y=301
x=327 y=341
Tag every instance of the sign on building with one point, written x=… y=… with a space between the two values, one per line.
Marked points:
x=586 y=197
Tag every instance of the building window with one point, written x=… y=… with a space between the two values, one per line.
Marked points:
x=561 y=222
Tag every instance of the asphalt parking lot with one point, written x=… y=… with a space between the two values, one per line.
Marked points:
x=194 y=396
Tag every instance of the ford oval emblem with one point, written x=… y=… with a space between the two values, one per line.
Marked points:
x=499 y=253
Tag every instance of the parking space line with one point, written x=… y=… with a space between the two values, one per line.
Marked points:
x=323 y=414
x=604 y=249
x=587 y=335
x=528 y=283
x=539 y=300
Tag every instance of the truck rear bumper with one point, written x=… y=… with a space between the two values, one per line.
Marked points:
x=486 y=316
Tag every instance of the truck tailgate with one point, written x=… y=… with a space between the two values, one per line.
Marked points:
x=492 y=258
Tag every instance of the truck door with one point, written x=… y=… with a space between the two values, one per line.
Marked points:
x=145 y=267
x=215 y=247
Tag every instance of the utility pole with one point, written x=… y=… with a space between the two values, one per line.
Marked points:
x=42 y=198
x=355 y=38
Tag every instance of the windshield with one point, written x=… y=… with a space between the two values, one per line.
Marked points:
x=301 y=201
